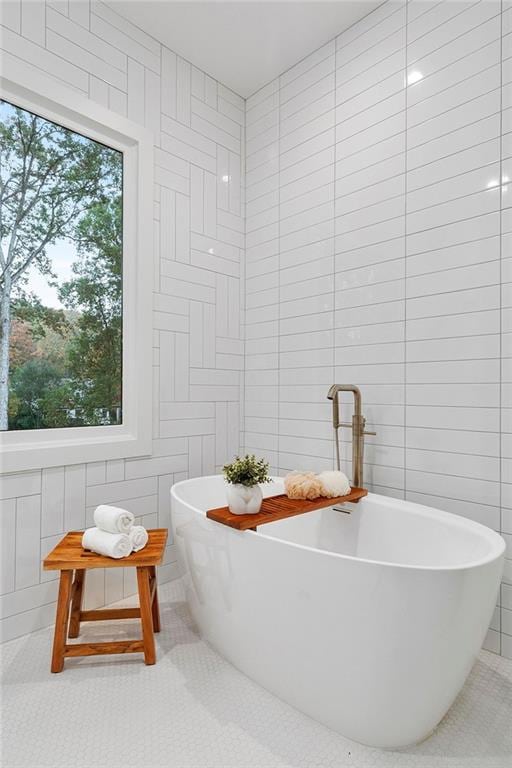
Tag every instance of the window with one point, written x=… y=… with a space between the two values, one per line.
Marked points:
x=61 y=197
x=75 y=279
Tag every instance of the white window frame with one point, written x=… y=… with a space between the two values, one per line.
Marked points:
x=37 y=448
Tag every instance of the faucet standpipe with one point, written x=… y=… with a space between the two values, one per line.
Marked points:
x=357 y=426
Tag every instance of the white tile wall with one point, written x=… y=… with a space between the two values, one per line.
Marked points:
x=198 y=128
x=379 y=253
x=377 y=250
x=506 y=322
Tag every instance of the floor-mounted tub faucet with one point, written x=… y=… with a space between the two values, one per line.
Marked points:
x=357 y=427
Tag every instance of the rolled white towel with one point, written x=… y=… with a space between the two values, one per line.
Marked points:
x=138 y=537
x=113 y=519
x=334 y=484
x=114 y=545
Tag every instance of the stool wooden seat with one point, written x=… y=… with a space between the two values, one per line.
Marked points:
x=72 y=560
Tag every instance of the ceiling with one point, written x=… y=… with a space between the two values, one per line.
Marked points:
x=247 y=43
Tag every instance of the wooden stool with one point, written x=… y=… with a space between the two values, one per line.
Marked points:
x=69 y=557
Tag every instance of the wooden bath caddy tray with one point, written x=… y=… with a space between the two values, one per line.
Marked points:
x=279 y=508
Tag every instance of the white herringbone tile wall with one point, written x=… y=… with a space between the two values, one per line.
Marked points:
x=377 y=224
x=378 y=253
x=198 y=128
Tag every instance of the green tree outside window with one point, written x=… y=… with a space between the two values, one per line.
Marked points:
x=60 y=200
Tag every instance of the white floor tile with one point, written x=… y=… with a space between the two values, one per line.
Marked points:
x=194 y=710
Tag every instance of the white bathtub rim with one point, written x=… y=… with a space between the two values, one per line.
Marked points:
x=496 y=541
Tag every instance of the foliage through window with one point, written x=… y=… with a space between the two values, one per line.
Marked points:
x=60 y=276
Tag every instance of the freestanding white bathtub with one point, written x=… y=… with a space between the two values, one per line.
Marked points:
x=369 y=622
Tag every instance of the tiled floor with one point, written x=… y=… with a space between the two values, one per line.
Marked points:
x=194 y=710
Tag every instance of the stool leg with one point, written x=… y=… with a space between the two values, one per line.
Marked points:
x=76 y=603
x=61 y=621
x=155 y=608
x=146 y=617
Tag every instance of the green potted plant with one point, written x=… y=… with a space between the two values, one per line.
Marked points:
x=243 y=476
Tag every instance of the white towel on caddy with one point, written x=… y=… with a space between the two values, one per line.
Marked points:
x=114 y=545
x=113 y=519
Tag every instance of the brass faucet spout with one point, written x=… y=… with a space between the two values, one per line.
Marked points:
x=357 y=426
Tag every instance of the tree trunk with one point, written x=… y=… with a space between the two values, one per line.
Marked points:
x=5 y=321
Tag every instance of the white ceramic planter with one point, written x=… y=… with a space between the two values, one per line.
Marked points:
x=243 y=500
